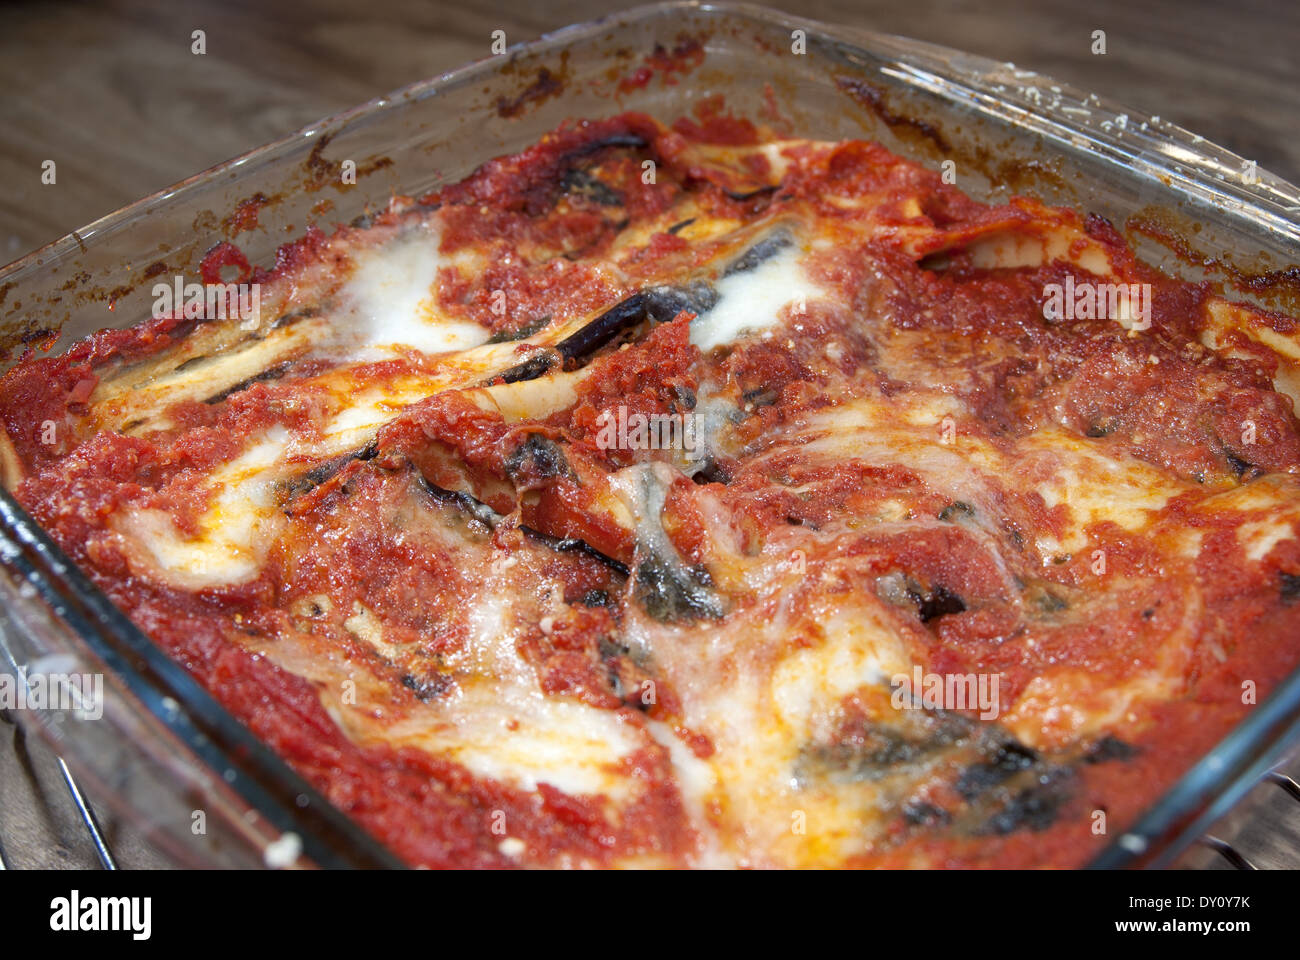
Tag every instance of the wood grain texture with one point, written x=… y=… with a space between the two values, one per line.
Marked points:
x=112 y=93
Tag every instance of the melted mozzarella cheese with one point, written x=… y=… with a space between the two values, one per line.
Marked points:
x=1259 y=537
x=751 y=301
x=1066 y=470
x=498 y=722
x=771 y=680
x=234 y=534
x=1095 y=488
x=1057 y=244
x=760 y=704
x=1277 y=496
x=388 y=303
x=809 y=683
x=571 y=746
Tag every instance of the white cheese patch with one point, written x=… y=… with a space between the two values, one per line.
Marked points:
x=388 y=303
x=642 y=489
x=1259 y=537
x=1063 y=468
x=1009 y=250
x=571 y=746
x=365 y=406
x=761 y=705
x=512 y=847
x=859 y=651
x=920 y=433
x=1096 y=488
x=750 y=302
x=236 y=531
x=1277 y=495
x=498 y=723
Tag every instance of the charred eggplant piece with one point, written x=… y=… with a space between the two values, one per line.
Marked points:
x=671 y=591
x=957 y=511
x=668 y=588
x=575 y=545
x=485 y=515
x=1034 y=807
x=938 y=602
x=1109 y=748
x=741 y=197
x=654 y=305
x=1014 y=788
x=1243 y=470
x=426 y=688
x=322 y=472
x=630 y=140
x=882 y=750
x=520 y=333
x=535 y=366
x=582 y=184
x=759 y=253
x=274 y=373
x=921 y=814
x=1010 y=758
x=537 y=457
x=476 y=509
x=1003 y=784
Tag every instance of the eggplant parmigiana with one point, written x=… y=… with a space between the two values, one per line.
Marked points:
x=683 y=496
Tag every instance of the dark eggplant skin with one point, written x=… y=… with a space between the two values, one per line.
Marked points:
x=939 y=601
x=538 y=457
x=485 y=515
x=274 y=373
x=308 y=481
x=741 y=197
x=670 y=592
x=583 y=184
x=1003 y=785
x=539 y=364
x=654 y=305
x=760 y=252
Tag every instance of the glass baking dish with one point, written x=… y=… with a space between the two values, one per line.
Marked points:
x=164 y=751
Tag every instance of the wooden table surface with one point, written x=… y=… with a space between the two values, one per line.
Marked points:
x=112 y=93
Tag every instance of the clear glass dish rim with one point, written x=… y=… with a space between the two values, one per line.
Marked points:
x=1191 y=165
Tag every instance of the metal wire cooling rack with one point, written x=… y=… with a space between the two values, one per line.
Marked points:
x=91 y=833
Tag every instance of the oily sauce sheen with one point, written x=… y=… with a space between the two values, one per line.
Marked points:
x=588 y=512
